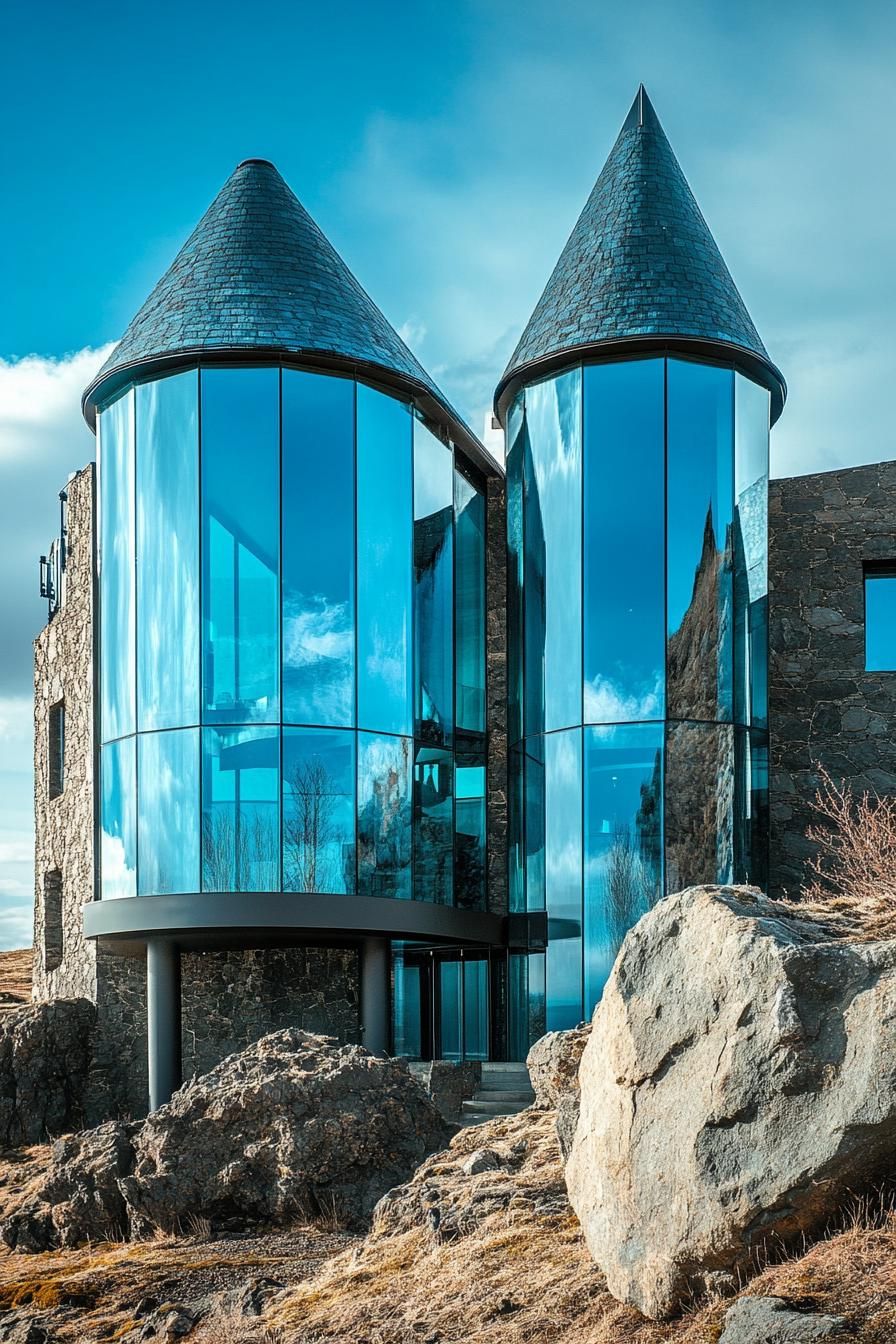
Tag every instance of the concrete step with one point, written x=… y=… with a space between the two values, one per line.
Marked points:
x=485 y=1106
x=524 y=1095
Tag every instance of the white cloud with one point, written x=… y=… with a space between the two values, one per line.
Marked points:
x=606 y=702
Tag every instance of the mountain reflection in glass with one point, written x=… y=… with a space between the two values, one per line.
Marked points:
x=384 y=816
x=318 y=549
x=624 y=599
x=699 y=652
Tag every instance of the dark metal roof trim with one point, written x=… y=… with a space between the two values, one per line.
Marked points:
x=748 y=362
x=106 y=386
x=208 y=918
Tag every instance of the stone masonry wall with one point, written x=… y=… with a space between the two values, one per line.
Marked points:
x=824 y=707
x=231 y=998
x=63 y=670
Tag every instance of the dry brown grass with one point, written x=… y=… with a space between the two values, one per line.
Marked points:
x=521 y=1278
x=15 y=978
x=852 y=890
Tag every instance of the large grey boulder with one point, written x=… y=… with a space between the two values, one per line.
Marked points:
x=738 y=1087
x=768 y=1320
x=45 y=1054
x=293 y=1127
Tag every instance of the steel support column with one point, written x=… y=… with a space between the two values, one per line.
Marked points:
x=163 y=1020
x=375 y=995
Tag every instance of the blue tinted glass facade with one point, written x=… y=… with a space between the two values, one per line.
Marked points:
x=284 y=558
x=637 y=659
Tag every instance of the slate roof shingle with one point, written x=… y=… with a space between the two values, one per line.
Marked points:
x=640 y=262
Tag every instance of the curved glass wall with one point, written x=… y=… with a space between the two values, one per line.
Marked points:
x=292 y=653
x=637 y=629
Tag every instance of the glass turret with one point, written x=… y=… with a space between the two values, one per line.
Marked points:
x=291 y=682
x=637 y=409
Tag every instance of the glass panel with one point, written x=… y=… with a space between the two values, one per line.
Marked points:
x=118 y=819
x=699 y=654
x=533 y=828
x=384 y=816
x=450 y=1000
x=751 y=409
x=699 y=811
x=516 y=799
x=563 y=877
x=318 y=810
x=385 y=550
x=433 y=588
x=475 y=1009
x=469 y=828
x=240 y=809
x=407 y=1003
x=469 y=506
x=880 y=622
x=534 y=613
x=116 y=566
x=318 y=549
x=168 y=553
x=751 y=818
x=518 y=1006
x=553 y=505
x=514 y=464
x=240 y=544
x=433 y=826
x=168 y=812
x=624 y=601
x=537 y=1005
x=623 y=841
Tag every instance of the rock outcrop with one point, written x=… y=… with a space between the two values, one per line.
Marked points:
x=45 y=1053
x=738 y=1087
x=294 y=1127
x=768 y=1320
x=553 y=1064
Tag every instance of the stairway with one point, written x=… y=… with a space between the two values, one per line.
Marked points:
x=505 y=1090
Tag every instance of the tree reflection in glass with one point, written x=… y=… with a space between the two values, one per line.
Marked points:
x=318 y=811
x=240 y=810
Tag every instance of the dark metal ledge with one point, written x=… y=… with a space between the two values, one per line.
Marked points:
x=762 y=371
x=215 y=919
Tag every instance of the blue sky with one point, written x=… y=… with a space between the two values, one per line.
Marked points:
x=446 y=150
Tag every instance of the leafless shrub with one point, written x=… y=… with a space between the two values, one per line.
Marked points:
x=852 y=888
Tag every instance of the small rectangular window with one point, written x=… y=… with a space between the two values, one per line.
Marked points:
x=880 y=616
x=52 y=948
x=56 y=730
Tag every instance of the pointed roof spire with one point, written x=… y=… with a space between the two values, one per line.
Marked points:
x=257 y=274
x=640 y=268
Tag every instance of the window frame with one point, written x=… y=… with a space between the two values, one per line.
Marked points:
x=874 y=570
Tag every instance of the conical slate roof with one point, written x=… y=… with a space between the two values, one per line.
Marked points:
x=640 y=265
x=257 y=274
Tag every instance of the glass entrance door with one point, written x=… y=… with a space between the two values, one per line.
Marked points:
x=441 y=1004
